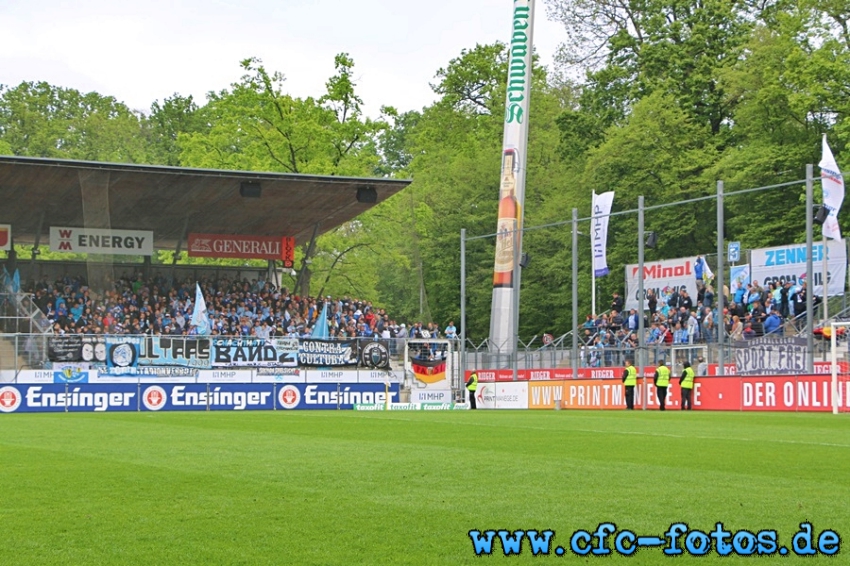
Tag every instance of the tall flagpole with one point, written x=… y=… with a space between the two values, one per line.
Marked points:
x=824 y=276
x=506 y=271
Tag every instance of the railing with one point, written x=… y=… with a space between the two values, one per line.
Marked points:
x=559 y=354
x=23 y=351
x=150 y=356
x=19 y=313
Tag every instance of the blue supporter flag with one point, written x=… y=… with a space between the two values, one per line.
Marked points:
x=320 y=330
x=16 y=281
x=200 y=318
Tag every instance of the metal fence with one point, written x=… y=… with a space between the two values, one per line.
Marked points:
x=33 y=351
x=559 y=354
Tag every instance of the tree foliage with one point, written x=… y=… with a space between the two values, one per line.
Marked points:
x=665 y=98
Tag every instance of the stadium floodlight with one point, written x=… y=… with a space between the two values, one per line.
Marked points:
x=367 y=195
x=651 y=239
x=250 y=189
x=524 y=260
x=821 y=215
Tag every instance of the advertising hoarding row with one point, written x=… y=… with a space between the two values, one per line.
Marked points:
x=751 y=393
x=22 y=398
x=554 y=374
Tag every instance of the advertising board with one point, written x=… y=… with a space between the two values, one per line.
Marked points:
x=333 y=396
x=23 y=398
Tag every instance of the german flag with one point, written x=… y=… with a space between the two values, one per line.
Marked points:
x=429 y=371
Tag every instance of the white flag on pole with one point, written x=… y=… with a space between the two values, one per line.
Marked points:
x=601 y=209
x=200 y=318
x=832 y=184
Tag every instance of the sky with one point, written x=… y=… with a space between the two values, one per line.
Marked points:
x=140 y=52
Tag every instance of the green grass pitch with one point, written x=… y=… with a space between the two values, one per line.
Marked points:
x=316 y=487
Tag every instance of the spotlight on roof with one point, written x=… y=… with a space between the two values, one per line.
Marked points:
x=250 y=189
x=367 y=195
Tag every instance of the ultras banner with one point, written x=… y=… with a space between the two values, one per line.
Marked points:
x=327 y=352
x=255 y=352
x=157 y=355
x=771 y=355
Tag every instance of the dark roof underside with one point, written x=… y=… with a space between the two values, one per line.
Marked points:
x=164 y=199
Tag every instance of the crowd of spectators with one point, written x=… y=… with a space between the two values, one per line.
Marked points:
x=681 y=320
x=156 y=306
x=136 y=306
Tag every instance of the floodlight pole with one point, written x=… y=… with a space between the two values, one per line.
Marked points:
x=833 y=363
x=719 y=294
x=462 y=352
x=640 y=310
x=810 y=281
x=575 y=295
x=516 y=277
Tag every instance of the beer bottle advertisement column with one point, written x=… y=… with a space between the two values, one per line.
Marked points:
x=506 y=282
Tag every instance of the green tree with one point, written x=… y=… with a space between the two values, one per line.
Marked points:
x=256 y=126
x=456 y=148
x=173 y=116
x=42 y=120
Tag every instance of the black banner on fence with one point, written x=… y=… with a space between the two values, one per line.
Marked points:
x=255 y=352
x=327 y=353
x=771 y=355
x=65 y=348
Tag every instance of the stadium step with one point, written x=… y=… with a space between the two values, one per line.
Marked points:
x=8 y=358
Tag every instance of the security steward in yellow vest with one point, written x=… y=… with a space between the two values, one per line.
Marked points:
x=472 y=387
x=687 y=384
x=662 y=381
x=630 y=381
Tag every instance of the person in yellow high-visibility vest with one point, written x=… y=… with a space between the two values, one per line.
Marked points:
x=662 y=381
x=630 y=381
x=472 y=387
x=687 y=384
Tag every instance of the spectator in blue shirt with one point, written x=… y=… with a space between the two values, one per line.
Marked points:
x=772 y=323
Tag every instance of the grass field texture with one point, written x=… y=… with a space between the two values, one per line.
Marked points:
x=316 y=487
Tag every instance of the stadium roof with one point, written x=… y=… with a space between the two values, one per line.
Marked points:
x=37 y=193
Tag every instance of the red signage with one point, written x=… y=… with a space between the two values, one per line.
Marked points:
x=801 y=393
x=243 y=247
x=614 y=372
x=490 y=375
x=771 y=393
x=5 y=237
